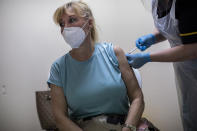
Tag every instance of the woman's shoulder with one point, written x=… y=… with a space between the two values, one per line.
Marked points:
x=60 y=61
x=107 y=46
x=104 y=44
x=109 y=49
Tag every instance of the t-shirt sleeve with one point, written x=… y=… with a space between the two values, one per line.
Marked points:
x=187 y=21
x=55 y=75
x=112 y=55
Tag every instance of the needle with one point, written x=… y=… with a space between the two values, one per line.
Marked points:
x=132 y=50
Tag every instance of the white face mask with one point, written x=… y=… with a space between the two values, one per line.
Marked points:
x=74 y=36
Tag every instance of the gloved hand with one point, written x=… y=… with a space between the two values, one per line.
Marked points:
x=146 y=41
x=138 y=60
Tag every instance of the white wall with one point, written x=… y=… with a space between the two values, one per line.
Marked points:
x=30 y=42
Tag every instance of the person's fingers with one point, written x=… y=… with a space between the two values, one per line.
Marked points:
x=141 y=41
x=130 y=62
x=127 y=55
x=137 y=44
x=143 y=48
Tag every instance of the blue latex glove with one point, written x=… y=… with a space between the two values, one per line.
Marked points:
x=144 y=42
x=138 y=60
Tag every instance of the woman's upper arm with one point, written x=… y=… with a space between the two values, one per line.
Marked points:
x=59 y=104
x=128 y=74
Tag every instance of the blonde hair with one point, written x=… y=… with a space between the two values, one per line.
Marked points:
x=81 y=9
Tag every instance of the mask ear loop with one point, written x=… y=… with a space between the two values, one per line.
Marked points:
x=87 y=17
x=84 y=26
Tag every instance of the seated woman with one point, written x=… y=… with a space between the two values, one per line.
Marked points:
x=92 y=84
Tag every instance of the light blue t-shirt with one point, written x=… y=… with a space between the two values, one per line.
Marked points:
x=91 y=87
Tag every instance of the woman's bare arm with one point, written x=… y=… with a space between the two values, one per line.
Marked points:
x=134 y=91
x=59 y=107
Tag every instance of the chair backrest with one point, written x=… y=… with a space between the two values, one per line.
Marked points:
x=137 y=75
